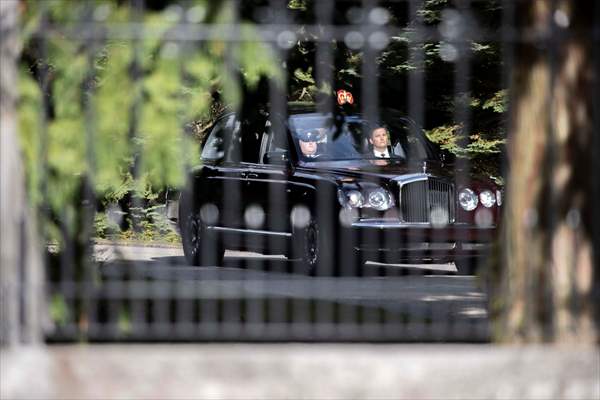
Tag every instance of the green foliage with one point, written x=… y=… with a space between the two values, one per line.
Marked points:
x=30 y=103
x=151 y=223
x=480 y=145
x=124 y=322
x=483 y=48
x=304 y=76
x=483 y=152
x=104 y=227
x=117 y=107
x=59 y=311
x=305 y=84
x=431 y=10
x=498 y=103
x=446 y=137
x=256 y=58
x=451 y=138
x=297 y=5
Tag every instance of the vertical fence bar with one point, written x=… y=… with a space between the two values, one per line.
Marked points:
x=42 y=209
x=326 y=306
x=276 y=306
x=86 y=288
x=184 y=291
x=137 y=290
x=416 y=106
x=462 y=95
x=231 y=306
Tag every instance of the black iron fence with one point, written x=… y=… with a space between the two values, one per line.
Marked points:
x=140 y=176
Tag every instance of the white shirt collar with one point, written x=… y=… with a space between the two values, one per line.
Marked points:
x=384 y=154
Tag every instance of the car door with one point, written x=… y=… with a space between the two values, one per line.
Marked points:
x=223 y=177
x=259 y=187
x=270 y=178
x=285 y=196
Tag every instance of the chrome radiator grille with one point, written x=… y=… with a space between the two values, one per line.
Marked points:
x=428 y=200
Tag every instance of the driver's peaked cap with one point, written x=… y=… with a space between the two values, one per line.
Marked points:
x=311 y=135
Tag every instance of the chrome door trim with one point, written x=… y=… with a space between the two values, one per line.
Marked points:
x=250 y=231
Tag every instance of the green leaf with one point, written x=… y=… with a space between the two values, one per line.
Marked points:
x=498 y=103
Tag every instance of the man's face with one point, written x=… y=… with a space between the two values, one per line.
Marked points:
x=308 y=148
x=379 y=139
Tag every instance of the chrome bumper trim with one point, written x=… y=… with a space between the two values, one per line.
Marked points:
x=394 y=224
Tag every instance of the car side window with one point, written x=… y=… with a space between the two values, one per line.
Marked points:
x=277 y=140
x=246 y=140
x=215 y=146
x=414 y=144
x=416 y=148
x=406 y=143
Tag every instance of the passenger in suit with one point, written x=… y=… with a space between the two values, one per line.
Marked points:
x=380 y=141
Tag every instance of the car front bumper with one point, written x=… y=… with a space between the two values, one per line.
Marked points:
x=420 y=241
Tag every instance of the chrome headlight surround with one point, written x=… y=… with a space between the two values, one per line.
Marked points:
x=376 y=198
x=380 y=199
x=467 y=199
x=487 y=198
x=355 y=199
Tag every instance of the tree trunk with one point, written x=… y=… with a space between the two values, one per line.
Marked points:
x=21 y=272
x=548 y=282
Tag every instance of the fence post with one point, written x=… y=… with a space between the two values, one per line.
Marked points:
x=21 y=269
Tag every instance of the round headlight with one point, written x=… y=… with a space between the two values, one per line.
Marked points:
x=379 y=199
x=355 y=198
x=499 y=197
x=487 y=198
x=467 y=199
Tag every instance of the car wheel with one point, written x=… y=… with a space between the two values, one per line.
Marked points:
x=315 y=246
x=200 y=246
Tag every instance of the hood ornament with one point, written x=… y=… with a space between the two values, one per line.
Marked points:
x=424 y=167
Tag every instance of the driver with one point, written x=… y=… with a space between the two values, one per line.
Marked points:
x=308 y=142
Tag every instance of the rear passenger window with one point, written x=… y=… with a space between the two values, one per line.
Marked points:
x=277 y=140
x=214 y=148
x=247 y=136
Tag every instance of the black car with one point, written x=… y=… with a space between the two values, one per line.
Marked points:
x=260 y=189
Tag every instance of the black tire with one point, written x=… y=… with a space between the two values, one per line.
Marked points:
x=316 y=247
x=200 y=246
x=467 y=266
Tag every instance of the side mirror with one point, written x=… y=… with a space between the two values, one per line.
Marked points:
x=278 y=157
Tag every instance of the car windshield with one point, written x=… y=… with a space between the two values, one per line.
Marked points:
x=318 y=137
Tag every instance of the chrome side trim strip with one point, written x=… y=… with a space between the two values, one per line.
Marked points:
x=251 y=231
x=476 y=246
x=389 y=224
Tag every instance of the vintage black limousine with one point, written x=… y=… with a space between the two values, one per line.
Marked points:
x=315 y=188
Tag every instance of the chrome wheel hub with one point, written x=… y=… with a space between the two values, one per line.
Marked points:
x=312 y=244
x=194 y=225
